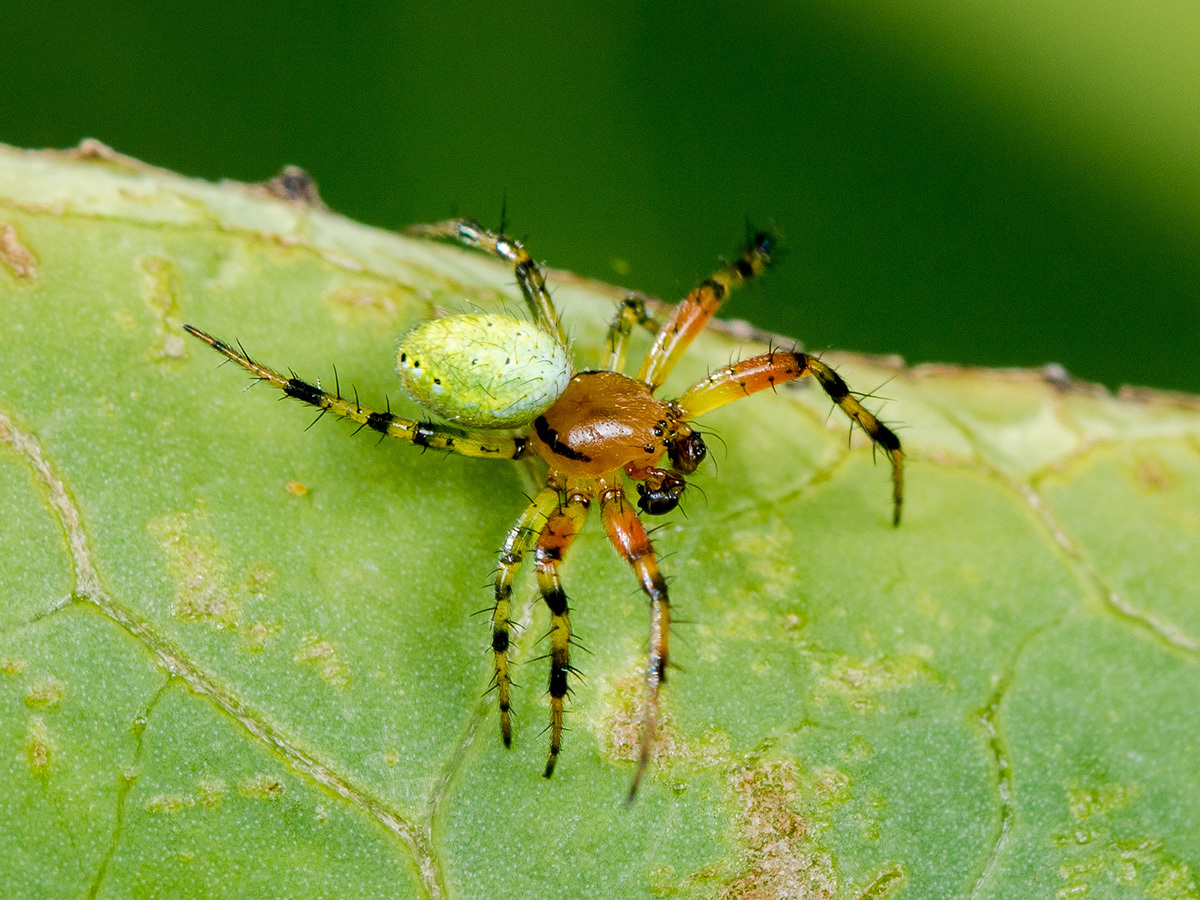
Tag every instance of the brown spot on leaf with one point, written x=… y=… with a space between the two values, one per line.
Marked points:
x=38 y=749
x=200 y=571
x=168 y=803
x=1153 y=476
x=782 y=860
x=780 y=852
x=261 y=787
x=162 y=292
x=14 y=666
x=15 y=255
x=257 y=635
x=621 y=713
x=44 y=694
x=783 y=857
x=318 y=652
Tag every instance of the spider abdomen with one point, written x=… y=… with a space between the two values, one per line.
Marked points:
x=602 y=422
x=483 y=370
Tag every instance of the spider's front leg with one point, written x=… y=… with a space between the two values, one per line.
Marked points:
x=628 y=536
x=778 y=367
x=694 y=311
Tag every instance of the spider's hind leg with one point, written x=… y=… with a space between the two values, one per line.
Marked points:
x=522 y=537
x=430 y=435
x=529 y=276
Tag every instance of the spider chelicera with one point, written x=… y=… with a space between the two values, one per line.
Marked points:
x=511 y=385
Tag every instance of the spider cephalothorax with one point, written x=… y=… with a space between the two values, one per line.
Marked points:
x=495 y=375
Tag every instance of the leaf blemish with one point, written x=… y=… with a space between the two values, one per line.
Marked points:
x=259 y=579
x=621 y=715
x=1153 y=476
x=15 y=255
x=38 y=748
x=1099 y=854
x=211 y=790
x=168 y=803
x=45 y=694
x=257 y=634
x=162 y=290
x=783 y=860
x=318 y=652
x=261 y=787
x=370 y=300
x=200 y=571
x=783 y=856
x=859 y=682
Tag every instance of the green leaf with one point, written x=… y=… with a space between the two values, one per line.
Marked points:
x=238 y=658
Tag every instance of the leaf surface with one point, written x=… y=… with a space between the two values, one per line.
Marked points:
x=238 y=658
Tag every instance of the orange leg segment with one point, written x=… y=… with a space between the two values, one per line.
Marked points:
x=552 y=545
x=628 y=536
x=693 y=313
x=778 y=367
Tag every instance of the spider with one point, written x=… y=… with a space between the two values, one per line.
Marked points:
x=510 y=390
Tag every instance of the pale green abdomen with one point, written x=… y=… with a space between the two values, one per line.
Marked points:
x=483 y=371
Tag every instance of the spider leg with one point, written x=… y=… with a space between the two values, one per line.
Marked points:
x=529 y=276
x=632 y=311
x=693 y=313
x=628 y=536
x=522 y=537
x=777 y=367
x=552 y=545
x=423 y=434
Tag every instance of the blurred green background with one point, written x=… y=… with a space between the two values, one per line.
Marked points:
x=989 y=183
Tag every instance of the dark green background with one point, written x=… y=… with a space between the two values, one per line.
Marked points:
x=1003 y=186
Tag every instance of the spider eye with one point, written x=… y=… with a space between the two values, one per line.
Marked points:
x=687 y=452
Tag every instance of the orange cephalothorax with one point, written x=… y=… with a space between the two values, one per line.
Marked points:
x=603 y=422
